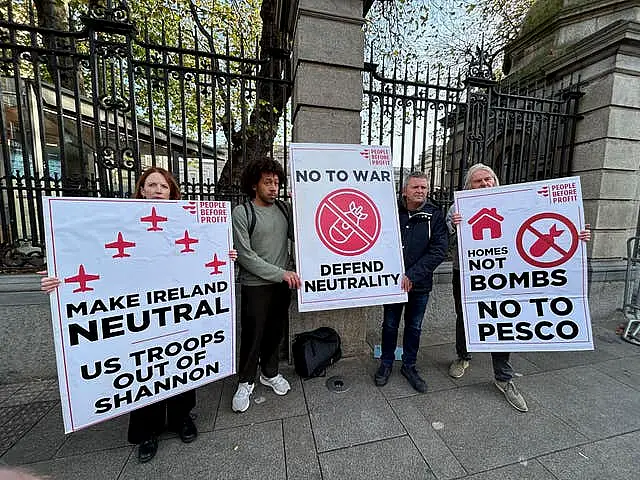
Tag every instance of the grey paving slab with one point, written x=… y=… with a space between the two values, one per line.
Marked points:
x=27 y=393
x=108 y=434
x=437 y=336
x=207 y=405
x=547 y=361
x=6 y=391
x=524 y=470
x=23 y=420
x=103 y=465
x=41 y=442
x=480 y=369
x=612 y=459
x=605 y=338
x=7 y=413
x=265 y=404
x=248 y=452
x=624 y=370
x=300 y=449
x=359 y=415
x=587 y=399
x=50 y=391
x=396 y=458
x=398 y=387
x=426 y=439
x=483 y=431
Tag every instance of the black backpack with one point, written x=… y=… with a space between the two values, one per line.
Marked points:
x=315 y=351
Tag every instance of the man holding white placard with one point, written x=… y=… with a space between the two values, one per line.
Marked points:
x=262 y=229
x=481 y=176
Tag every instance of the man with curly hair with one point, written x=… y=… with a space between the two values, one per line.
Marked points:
x=262 y=229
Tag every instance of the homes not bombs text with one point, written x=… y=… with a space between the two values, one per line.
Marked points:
x=540 y=318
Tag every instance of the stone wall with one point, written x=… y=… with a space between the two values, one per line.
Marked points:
x=595 y=42
x=26 y=338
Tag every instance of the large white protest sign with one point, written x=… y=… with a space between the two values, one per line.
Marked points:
x=523 y=269
x=347 y=238
x=145 y=307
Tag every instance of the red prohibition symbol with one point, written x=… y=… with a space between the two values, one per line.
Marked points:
x=546 y=241
x=347 y=222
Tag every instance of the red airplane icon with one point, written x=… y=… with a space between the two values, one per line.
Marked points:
x=216 y=264
x=186 y=241
x=120 y=244
x=545 y=242
x=154 y=219
x=82 y=278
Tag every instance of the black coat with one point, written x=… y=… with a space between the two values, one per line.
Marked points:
x=424 y=243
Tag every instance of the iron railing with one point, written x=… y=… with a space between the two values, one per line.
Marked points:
x=438 y=121
x=83 y=111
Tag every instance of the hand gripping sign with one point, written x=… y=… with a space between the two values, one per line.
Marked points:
x=523 y=268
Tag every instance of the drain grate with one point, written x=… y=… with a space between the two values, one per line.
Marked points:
x=337 y=384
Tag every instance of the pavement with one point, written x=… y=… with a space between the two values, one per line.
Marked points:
x=583 y=423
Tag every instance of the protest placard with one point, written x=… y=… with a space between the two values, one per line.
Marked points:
x=523 y=269
x=347 y=238
x=145 y=309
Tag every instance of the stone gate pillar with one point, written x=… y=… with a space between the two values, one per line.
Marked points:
x=596 y=43
x=328 y=57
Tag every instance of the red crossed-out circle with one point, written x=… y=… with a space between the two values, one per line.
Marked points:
x=347 y=222
x=565 y=255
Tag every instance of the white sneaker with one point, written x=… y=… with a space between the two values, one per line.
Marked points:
x=241 y=399
x=278 y=383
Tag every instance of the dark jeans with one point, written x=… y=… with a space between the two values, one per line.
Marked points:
x=413 y=315
x=264 y=312
x=502 y=369
x=151 y=420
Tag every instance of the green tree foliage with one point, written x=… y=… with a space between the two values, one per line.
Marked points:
x=208 y=42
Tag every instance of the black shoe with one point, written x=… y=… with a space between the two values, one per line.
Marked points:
x=382 y=375
x=147 y=450
x=186 y=430
x=411 y=374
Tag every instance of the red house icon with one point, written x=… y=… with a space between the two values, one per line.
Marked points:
x=487 y=218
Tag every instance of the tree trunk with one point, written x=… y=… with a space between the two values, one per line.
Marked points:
x=271 y=100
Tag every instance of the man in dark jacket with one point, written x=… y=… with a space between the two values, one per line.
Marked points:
x=424 y=244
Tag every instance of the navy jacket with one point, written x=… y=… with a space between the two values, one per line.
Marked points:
x=424 y=243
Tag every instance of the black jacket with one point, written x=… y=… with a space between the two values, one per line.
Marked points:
x=424 y=243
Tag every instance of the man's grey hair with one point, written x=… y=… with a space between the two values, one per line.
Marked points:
x=416 y=174
x=475 y=168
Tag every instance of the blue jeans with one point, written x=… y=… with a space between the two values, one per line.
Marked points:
x=413 y=315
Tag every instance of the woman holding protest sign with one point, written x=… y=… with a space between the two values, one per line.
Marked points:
x=172 y=414
x=482 y=176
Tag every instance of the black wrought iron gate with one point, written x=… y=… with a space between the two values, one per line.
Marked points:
x=85 y=108
x=441 y=123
